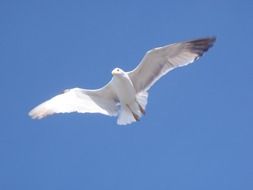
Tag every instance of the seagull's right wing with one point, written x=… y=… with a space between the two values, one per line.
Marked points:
x=102 y=101
x=159 y=61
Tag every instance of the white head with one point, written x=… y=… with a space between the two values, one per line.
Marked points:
x=117 y=72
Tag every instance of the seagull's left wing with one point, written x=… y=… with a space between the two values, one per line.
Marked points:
x=159 y=61
x=102 y=101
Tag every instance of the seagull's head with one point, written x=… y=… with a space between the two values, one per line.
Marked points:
x=117 y=72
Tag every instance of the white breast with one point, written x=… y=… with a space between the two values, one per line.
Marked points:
x=123 y=87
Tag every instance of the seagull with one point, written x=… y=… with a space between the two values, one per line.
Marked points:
x=126 y=95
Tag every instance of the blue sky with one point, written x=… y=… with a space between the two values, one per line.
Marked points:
x=197 y=133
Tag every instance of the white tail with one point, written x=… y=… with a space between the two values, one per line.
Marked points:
x=125 y=116
x=132 y=113
x=142 y=99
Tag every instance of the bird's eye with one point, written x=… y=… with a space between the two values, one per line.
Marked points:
x=118 y=70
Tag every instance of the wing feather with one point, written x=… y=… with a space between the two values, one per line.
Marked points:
x=159 y=61
x=102 y=101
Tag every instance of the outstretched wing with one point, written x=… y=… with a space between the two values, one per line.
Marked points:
x=159 y=61
x=102 y=101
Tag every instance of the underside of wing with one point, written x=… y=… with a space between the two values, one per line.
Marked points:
x=79 y=100
x=159 y=61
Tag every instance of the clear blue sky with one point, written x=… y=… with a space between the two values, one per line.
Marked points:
x=198 y=130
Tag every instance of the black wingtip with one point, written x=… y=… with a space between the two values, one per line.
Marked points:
x=201 y=45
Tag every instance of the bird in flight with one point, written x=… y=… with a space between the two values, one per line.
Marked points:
x=126 y=95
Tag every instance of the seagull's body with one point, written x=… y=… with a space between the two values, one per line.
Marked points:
x=126 y=94
x=132 y=107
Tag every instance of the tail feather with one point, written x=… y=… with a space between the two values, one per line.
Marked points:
x=125 y=116
x=142 y=99
x=131 y=113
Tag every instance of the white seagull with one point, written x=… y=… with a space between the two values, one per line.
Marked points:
x=126 y=94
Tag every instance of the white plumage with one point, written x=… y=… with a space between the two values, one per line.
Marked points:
x=126 y=94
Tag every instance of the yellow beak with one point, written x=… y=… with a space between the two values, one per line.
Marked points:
x=114 y=72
